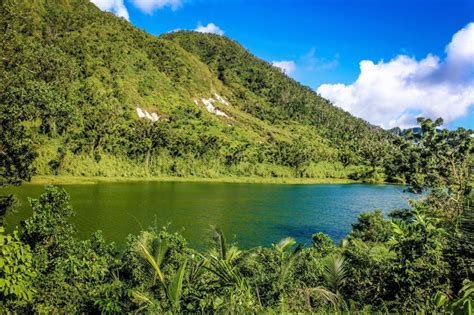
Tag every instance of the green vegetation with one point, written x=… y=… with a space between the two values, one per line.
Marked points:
x=416 y=260
x=74 y=77
x=66 y=180
x=16 y=272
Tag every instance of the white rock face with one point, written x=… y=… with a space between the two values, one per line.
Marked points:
x=220 y=99
x=140 y=113
x=143 y=114
x=155 y=117
x=209 y=104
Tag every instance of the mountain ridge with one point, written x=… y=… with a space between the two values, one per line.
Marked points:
x=80 y=76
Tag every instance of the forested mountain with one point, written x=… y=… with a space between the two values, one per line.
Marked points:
x=97 y=96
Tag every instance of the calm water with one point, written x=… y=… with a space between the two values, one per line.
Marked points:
x=257 y=214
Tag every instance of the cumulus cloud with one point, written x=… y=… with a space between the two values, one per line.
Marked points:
x=396 y=92
x=148 y=6
x=209 y=28
x=117 y=7
x=287 y=66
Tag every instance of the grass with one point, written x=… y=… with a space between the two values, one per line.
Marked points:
x=76 y=180
x=84 y=169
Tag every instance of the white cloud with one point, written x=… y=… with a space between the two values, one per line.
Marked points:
x=287 y=66
x=117 y=7
x=394 y=93
x=461 y=47
x=209 y=28
x=148 y=6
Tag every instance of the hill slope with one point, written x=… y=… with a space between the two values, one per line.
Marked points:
x=101 y=97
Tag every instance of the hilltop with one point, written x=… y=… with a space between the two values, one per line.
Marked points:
x=100 y=97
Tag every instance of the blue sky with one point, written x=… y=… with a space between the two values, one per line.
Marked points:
x=323 y=42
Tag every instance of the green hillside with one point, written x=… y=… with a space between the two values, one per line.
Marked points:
x=78 y=79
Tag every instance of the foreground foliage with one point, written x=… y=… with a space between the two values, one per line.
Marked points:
x=385 y=265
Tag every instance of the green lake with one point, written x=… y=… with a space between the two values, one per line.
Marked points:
x=257 y=214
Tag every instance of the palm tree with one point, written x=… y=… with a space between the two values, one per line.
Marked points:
x=154 y=253
x=221 y=249
x=174 y=289
x=287 y=253
x=221 y=258
x=221 y=262
x=335 y=272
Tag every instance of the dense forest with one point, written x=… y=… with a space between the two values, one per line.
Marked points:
x=99 y=97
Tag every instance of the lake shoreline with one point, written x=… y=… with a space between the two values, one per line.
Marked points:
x=76 y=180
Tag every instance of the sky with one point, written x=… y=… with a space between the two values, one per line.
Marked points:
x=382 y=60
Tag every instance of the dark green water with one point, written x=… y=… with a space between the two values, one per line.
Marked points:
x=257 y=214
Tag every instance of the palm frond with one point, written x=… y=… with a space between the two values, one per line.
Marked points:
x=233 y=253
x=219 y=240
x=335 y=272
x=285 y=244
x=325 y=295
x=197 y=269
x=228 y=274
x=143 y=251
x=140 y=298
x=174 y=289
x=163 y=249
